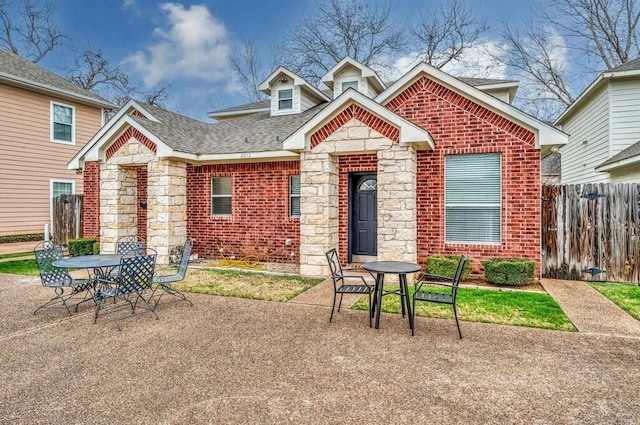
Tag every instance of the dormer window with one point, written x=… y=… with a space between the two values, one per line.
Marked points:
x=349 y=84
x=285 y=99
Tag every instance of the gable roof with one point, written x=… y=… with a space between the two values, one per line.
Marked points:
x=367 y=73
x=265 y=86
x=628 y=156
x=630 y=69
x=409 y=132
x=19 y=72
x=546 y=136
x=255 y=136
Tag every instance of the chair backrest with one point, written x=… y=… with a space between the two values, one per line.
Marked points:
x=135 y=272
x=129 y=244
x=184 y=260
x=46 y=253
x=457 y=277
x=334 y=264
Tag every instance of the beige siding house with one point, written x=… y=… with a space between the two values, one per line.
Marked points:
x=604 y=130
x=44 y=121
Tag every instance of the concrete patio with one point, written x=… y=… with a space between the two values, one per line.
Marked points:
x=228 y=360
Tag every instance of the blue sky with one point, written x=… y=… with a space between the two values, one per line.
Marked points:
x=185 y=43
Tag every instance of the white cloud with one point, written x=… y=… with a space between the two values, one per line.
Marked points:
x=129 y=4
x=193 y=44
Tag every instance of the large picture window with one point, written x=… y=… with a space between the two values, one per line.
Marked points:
x=473 y=198
x=62 y=123
x=294 y=196
x=221 y=196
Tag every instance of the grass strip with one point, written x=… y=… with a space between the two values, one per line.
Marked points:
x=23 y=267
x=16 y=255
x=625 y=296
x=515 y=308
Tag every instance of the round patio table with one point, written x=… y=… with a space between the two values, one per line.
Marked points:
x=100 y=263
x=401 y=268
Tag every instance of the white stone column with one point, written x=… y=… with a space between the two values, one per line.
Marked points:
x=397 y=215
x=166 y=206
x=118 y=212
x=318 y=211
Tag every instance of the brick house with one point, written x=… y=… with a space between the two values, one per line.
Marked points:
x=431 y=164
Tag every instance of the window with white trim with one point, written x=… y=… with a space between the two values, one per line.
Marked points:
x=349 y=84
x=62 y=123
x=285 y=99
x=294 y=196
x=221 y=196
x=473 y=199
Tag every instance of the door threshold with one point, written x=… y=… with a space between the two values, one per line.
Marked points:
x=363 y=258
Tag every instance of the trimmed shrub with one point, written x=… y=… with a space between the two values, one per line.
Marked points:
x=83 y=246
x=31 y=237
x=509 y=271
x=445 y=265
x=96 y=248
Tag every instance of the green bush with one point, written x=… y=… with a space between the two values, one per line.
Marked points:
x=83 y=246
x=31 y=237
x=96 y=248
x=445 y=265
x=509 y=271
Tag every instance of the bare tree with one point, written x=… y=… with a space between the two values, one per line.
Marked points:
x=93 y=71
x=247 y=67
x=447 y=31
x=339 y=28
x=27 y=29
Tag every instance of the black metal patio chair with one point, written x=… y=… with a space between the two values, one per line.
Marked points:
x=129 y=244
x=135 y=273
x=65 y=287
x=341 y=286
x=447 y=294
x=165 y=283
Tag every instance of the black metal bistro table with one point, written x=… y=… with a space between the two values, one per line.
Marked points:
x=401 y=268
x=100 y=263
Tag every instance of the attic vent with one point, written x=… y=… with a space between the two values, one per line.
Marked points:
x=246 y=140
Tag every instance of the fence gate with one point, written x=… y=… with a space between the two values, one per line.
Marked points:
x=591 y=232
x=67 y=218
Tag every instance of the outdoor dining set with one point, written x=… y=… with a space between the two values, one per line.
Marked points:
x=129 y=275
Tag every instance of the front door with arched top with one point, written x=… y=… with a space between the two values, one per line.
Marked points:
x=363 y=217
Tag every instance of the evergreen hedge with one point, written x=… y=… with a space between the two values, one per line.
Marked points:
x=509 y=271
x=83 y=246
x=445 y=265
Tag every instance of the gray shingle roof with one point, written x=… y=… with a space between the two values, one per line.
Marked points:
x=476 y=82
x=22 y=71
x=630 y=152
x=261 y=104
x=191 y=136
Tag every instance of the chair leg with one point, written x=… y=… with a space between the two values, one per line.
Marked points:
x=333 y=307
x=413 y=313
x=370 y=312
x=455 y=315
x=340 y=303
x=59 y=297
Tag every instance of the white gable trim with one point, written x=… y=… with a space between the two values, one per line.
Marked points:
x=79 y=158
x=545 y=134
x=367 y=72
x=265 y=86
x=410 y=134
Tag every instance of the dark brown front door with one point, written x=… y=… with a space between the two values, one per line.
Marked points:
x=363 y=215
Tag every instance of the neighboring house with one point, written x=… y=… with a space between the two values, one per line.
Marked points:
x=44 y=119
x=550 y=167
x=603 y=124
x=428 y=165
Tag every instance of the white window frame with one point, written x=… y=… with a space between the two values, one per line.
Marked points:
x=73 y=123
x=498 y=205
x=293 y=196
x=280 y=99
x=51 y=184
x=230 y=196
x=347 y=84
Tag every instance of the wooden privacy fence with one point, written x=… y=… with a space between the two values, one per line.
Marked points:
x=67 y=218
x=591 y=231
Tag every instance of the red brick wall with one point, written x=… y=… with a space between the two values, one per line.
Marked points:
x=349 y=164
x=125 y=137
x=459 y=126
x=260 y=220
x=91 y=200
x=141 y=200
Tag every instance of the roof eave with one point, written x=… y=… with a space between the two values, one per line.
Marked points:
x=619 y=164
x=50 y=90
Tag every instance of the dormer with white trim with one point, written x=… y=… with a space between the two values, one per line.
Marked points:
x=290 y=93
x=349 y=73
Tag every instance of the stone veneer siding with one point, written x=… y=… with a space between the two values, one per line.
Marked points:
x=260 y=221
x=459 y=126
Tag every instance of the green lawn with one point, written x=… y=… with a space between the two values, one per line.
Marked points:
x=516 y=308
x=16 y=255
x=625 y=296
x=25 y=267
